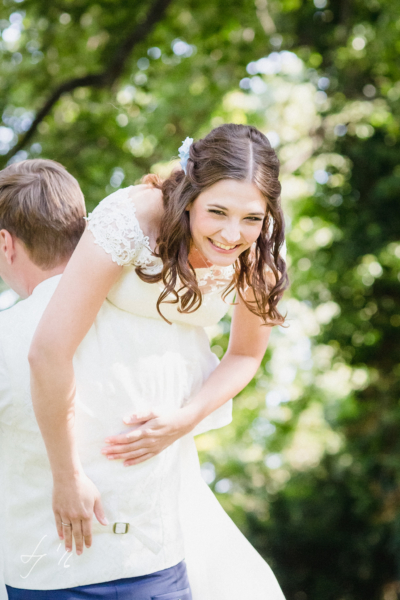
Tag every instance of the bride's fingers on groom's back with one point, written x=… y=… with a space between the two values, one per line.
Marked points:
x=122 y=438
x=136 y=461
x=141 y=417
x=119 y=450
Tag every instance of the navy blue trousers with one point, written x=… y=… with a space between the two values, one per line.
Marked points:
x=169 y=584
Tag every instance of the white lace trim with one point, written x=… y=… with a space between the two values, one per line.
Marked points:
x=117 y=230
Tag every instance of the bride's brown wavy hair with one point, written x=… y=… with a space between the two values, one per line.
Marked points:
x=231 y=151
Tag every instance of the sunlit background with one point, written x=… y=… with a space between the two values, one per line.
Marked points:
x=310 y=467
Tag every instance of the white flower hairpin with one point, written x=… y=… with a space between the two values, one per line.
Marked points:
x=184 y=152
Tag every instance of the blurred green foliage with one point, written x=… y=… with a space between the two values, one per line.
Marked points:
x=310 y=467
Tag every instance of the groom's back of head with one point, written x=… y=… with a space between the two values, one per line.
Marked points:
x=43 y=206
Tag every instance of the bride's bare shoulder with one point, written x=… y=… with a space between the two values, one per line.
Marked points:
x=148 y=202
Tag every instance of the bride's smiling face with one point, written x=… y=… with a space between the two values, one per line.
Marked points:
x=226 y=219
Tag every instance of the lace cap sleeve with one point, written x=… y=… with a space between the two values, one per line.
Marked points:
x=116 y=229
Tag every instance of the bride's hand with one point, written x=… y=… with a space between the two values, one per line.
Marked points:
x=152 y=433
x=75 y=499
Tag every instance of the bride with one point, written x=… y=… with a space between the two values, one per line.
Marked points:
x=174 y=254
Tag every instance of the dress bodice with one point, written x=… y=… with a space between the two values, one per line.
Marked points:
x=117 y=230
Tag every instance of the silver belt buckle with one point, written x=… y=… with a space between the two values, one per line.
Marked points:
x=121 y=528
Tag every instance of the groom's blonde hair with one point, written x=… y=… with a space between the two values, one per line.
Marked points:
x=42 y=205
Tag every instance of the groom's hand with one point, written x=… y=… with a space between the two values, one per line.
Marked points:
x=152 y=433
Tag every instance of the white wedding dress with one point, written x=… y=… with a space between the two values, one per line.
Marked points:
x=172 y=363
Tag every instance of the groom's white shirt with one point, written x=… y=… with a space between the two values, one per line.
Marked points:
x=145 y=496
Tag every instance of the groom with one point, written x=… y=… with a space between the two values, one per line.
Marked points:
x=139 y=553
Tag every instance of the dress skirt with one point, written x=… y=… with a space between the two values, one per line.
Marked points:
x=221 y=563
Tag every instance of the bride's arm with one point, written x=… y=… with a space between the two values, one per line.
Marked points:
x=72 y=310
x=247 y=345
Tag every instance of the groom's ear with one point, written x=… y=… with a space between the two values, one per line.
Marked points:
x=7 y=245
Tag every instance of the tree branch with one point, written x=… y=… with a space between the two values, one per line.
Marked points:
x=99 y=80
x=317 y=137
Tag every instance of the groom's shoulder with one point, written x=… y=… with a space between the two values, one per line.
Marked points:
x=13 y=328
x=22 y=317
x=14 y=316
